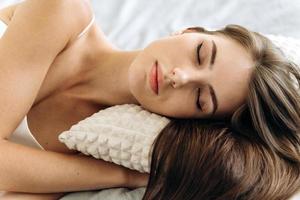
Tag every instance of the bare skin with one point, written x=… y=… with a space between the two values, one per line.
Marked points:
x=27 y=196
x=51 y=87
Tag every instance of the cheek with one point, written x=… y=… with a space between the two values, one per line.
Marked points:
x=177 y=104
x=170 y=52
x=232 y=96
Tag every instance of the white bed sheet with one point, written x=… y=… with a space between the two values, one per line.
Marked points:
x=132 y=24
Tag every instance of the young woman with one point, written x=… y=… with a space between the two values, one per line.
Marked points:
x=58 y=68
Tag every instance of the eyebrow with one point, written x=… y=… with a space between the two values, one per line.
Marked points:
x=213 y=54
x=214 y=99
x=211 y=89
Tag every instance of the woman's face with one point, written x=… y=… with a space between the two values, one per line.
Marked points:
x=191 y=75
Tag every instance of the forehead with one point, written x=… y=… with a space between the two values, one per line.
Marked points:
x=226 y=44
x=232 y=70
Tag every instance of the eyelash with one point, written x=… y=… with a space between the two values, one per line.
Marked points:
x=197 y=101
x=198 y=90
x=198 y=53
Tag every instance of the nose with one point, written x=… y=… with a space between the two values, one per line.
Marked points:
x=181 y=77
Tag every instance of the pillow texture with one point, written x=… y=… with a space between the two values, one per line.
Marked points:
x=121 y=134
x=124 y=134
x=288 y=45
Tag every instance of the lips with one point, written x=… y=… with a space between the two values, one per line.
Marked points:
x=154 y=78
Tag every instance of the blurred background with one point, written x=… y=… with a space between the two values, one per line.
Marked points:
x=131 y=24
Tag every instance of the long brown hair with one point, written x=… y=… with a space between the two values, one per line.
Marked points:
x=258 y=157
x=204 y=160
x=272 y=109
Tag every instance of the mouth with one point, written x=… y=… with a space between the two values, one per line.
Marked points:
x=154 y=83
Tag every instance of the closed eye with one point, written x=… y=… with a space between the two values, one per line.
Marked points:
x=198 y=100
x=198 y=53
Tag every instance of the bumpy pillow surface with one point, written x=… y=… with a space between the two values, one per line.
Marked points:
x=124 y=134
x=289 y=46
x=121 y=134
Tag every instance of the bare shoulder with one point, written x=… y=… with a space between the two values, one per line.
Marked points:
x=37 y=32
x=79 y=11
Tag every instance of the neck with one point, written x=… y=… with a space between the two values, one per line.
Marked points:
x=105 y=80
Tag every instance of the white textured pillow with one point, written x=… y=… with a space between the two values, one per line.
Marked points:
x=289 y=46
x=121 y=134
x=124 y=134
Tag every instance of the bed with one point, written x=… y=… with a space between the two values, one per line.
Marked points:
x=131 y=24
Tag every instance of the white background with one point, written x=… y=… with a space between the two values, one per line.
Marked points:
x=132 y=24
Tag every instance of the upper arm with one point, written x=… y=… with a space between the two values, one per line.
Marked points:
x=37 y=33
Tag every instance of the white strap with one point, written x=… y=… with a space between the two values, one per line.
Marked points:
x=3 y=27
x=87 y=27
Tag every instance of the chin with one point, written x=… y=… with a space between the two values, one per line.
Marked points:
x=134 y=85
